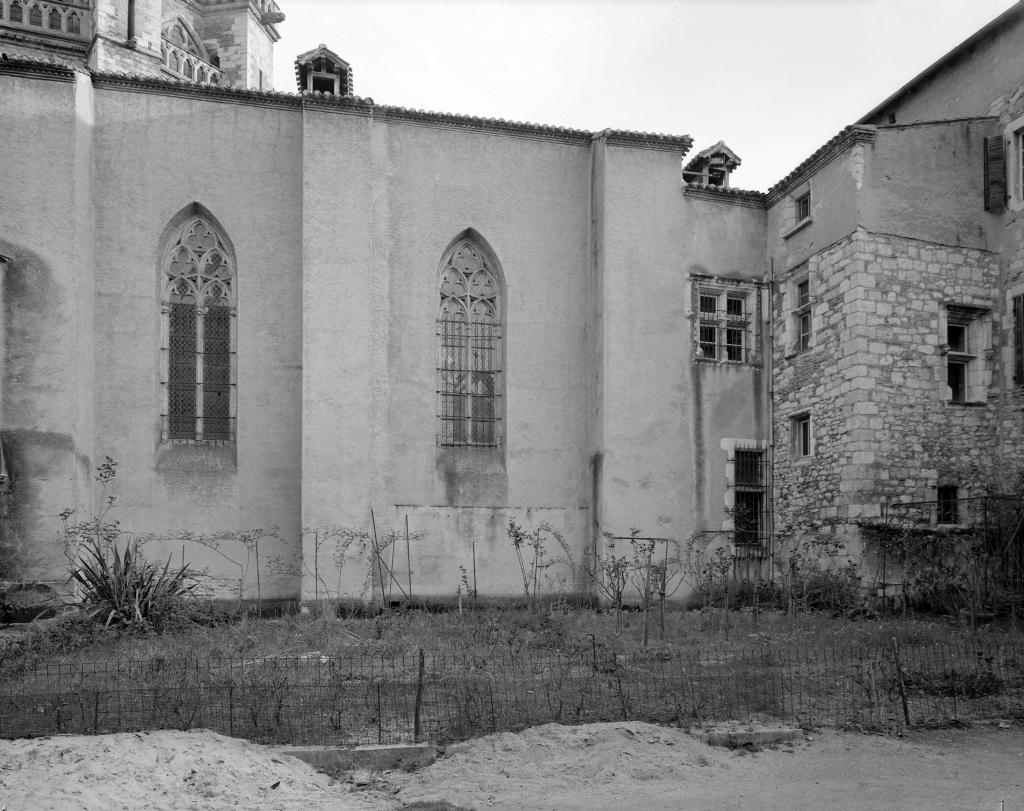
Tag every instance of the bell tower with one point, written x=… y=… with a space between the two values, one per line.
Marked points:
x=126 y=36
x=240 y=35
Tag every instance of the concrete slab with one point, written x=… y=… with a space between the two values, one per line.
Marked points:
x=336 y=761
x=751 y=737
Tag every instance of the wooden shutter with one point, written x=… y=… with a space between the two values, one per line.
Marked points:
x=995 y=174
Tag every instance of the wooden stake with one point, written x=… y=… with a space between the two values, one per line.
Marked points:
x=899 y=681
x=408 y=554
x=376 y=552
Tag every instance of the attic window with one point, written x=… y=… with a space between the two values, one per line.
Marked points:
x=324 y=82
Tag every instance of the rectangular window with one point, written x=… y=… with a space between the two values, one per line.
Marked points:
x=726 y=323
x=967 y=338
x=751 y=501
x=948 y=508
x=802 y=318
x=802 y=206
x=801 y=439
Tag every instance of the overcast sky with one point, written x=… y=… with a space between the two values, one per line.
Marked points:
x=774 y=79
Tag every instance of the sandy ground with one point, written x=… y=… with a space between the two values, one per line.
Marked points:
x=630 y=765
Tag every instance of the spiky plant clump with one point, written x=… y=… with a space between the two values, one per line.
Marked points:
x=125 y=587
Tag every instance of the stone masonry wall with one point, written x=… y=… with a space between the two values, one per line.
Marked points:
x=874 y=383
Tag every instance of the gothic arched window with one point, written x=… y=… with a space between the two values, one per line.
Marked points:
x=35 y=16
x=469 y=384
x=199 y=335
x=15 y=12
x=74 y=24
x=55 y=20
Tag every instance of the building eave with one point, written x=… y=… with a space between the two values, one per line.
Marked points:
x=856 y=133
x=719 y=194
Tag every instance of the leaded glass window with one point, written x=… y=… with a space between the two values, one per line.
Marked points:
x=199 y=329
x=470 y=349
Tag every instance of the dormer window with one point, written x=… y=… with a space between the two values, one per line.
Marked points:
x=711 y=167
x=323 y=71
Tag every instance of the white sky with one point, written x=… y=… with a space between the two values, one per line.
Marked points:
x=774 y=78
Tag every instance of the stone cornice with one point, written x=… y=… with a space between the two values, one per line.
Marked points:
x=50 y=69
x=737 y=197
x=857 y=133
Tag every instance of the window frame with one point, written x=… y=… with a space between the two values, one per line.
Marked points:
x=752 y=520
x=222 y=280
x=470 y=377
x=727 y=317
x=801 y=433
x=966 y=385
x=802 y=313
x=947 y=504
x=802 y=207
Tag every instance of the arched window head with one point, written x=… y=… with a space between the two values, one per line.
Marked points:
x=54 y=20
x=470 y=347
x=15 y=12
x=198 y=277
x=35 y=16
x=74 y=24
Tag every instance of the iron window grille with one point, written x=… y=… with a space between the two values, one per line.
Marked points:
x=199 y=337
x=751 y=513
x=725 y=328
x=470 y=351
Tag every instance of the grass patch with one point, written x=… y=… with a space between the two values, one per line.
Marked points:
x=195 y=629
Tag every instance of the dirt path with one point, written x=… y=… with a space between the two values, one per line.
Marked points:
x=638 y=766
x=629 y=765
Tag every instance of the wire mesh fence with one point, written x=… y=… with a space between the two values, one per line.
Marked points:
x=442 y=697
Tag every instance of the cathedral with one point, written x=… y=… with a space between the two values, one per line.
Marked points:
x=332 y=348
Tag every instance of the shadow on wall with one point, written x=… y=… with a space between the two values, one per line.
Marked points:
x=42 y=465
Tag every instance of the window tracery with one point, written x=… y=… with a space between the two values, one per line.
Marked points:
x=35 y=16
x=54 y=20
x=199 y=329
x=470 y=346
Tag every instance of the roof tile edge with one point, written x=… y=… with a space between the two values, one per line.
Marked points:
x=845 y=138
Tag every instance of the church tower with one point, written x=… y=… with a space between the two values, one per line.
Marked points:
x=209 y=42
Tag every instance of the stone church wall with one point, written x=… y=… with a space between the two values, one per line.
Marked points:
x=155 y=155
